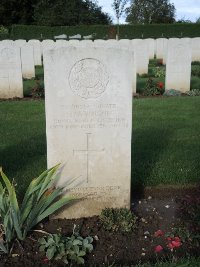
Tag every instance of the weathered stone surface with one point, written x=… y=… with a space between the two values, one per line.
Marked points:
x=161 y=49
x=27 y=60
x=141 y=55
x=178 y=66
x=20 y=42
x=10 y=72
x=37 y=51
x=195 y=49
x=151 y=46
x=47 y=45
x=88 y=120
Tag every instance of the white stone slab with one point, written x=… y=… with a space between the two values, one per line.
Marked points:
x=178 y=66
x=151 y=45
x=195 y=49
x=10 y=72
x=27 y=60
x=20 y=42
x=47 y=45
x=161 y=49
x=141 y=55
x=37 y=51
x=123 y=44
x=88 y=100
x=61 y=43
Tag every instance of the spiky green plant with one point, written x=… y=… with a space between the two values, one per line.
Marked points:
x=41 y=199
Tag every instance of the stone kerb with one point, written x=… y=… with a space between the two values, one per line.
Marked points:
x=88 y=125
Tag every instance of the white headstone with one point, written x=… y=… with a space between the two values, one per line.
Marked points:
x=178 y=66
x=161 y=49
x=47 y=45
x=122 y=44
x=196 y=49
x=37 y=51
x=141 y=56
x=151 y=45
x=61 y=43
x=27 y=60
x=20 y=43
x=10 y=72
x=88 y=119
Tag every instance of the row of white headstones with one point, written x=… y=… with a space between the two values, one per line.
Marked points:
x=19 y=58
x=88 y=108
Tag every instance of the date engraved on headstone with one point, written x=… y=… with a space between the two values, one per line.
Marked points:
x=88 y=78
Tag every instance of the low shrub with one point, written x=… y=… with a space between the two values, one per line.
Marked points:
x=118 y=220
x=193 y=92
x=38 y=90
x=153 y=88
x=67 y=249
x=40 y=200
x=158 y=72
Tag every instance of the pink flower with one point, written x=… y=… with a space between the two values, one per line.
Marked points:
x=158 y=233
x=158 y=249
x=45 y=260
x=174 y=242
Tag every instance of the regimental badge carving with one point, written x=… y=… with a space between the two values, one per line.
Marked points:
x=88 y=78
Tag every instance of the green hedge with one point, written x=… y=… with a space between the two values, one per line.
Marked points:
x=104 y=32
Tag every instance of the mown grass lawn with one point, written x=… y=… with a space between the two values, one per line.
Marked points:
x=165 y=148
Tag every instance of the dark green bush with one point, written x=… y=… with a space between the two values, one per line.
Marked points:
x=107 y=31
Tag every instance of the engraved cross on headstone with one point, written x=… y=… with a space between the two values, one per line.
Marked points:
x=88 y=152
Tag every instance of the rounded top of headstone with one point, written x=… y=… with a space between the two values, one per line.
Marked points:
x=88 y=78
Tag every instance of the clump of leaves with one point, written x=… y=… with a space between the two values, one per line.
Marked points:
x=193 y=92
x=122 y=220
x=67 y=249
x=3 y=30
x=158 y=72
x=40 y=200
x=153 y=88
x=38 y=90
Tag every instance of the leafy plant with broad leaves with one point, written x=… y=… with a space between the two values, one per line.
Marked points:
x=159 y=72
x=40 y=200
x=67 y=249
x=122 y=220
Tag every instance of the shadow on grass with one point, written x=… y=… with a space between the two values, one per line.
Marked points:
x=148 y=144
x=16 y=157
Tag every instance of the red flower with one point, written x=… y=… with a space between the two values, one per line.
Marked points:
x=158 y=249
x=175 y=242
x=45 y=260
x=160 y=85
x=158 y=233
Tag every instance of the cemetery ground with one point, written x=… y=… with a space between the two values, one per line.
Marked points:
x=164 y=224
x=165 y=177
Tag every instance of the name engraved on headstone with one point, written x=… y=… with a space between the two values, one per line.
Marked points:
x=90 y=116
x=88 y=78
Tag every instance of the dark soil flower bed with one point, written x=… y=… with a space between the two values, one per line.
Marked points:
x=168 y=226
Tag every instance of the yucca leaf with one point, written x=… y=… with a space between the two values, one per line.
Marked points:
x=16 y=224
x=54 y=207
x=1 y=188
x=3 y=247
x=41 y=207
x=28 y=208
x=34 y=186
x=47 y=181
x=6 y=181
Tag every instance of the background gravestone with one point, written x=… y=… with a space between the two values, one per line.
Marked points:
x=88 y=123
x=10 y=72
x=27 y=60
x=178 y=66
x=37 y=51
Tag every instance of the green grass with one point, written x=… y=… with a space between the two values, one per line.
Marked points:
x=165 y=150
x=166 y=141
